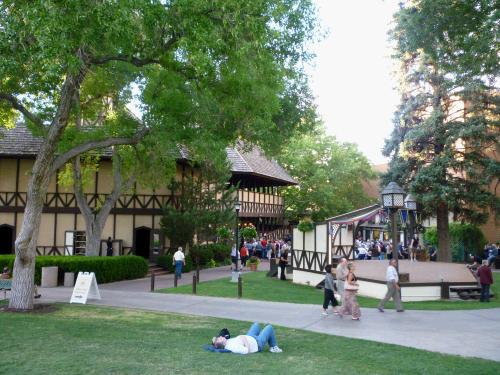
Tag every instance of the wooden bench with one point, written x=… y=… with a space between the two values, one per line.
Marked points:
x=5 y=285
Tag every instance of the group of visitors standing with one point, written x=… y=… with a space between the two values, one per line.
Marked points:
x=264 y=249
x=347 y=287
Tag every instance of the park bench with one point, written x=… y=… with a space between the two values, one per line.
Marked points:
x=5 y=285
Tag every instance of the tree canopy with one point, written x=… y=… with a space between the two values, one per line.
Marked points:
x=445 y=138
x=329 y=173
x=203 y=74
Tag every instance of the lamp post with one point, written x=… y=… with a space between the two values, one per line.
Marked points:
x=393 y=199
x=235 y=274
x=411 y=206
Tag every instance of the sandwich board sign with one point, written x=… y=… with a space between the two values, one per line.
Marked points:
x=85 y=288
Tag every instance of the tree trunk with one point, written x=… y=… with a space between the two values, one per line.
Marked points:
x=95 y=220
x=444 y=253
x=24 y=265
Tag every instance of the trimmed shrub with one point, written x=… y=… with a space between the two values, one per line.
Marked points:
x=7 y=261
x=106 y=269
x=166 y=261
x=189 y=265
x=221 y=251
x=201 y=254
x=464 y=239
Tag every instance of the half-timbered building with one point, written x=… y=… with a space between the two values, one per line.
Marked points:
x=134 y=222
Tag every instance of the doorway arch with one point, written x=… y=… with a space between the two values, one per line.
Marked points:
x=7 y=238
x=142 y=241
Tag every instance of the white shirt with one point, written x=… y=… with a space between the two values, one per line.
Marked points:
x=179 y=255
x=237 y=345
x=391 y=274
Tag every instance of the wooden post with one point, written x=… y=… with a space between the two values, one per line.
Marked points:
x=175 y=281
x=445 y=290
x=152 y=281
x=240 y=287
x=194 y=284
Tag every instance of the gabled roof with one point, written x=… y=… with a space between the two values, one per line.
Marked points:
x=253 y=161
x=362 y=214
x=19 y=142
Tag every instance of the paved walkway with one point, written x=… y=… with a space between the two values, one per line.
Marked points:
x=471 y=333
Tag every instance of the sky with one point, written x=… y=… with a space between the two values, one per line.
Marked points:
x=352 y=75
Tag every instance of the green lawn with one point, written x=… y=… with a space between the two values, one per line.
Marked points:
x=257 y=286
x=80 y=339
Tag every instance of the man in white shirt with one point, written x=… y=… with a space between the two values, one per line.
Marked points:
x=254 y=341
x=393 y=288
x=179 y=261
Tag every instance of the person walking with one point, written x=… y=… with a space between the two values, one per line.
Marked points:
x=414 y=248
x=329 y=295
x=393 y=288
x=486 y=279
x=179 y=261
x=109 y=247
x=341 y=273
x=350 y=305
x=283 y=262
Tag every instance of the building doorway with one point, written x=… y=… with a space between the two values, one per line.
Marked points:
x=7 y=238
x=142 y=241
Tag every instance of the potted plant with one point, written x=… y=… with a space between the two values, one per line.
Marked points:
x=253 y=263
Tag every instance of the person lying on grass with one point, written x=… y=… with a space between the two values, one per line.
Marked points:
x=254 y=341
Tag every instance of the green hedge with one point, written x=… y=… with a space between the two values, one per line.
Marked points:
x=106 y=269
x=464 y=239
x=166 y=261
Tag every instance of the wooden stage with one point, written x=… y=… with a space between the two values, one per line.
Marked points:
x=420 y=272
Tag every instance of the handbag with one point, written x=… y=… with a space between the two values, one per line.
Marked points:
x=348 y=286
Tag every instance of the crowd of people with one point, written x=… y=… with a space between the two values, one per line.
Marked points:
x=261 y=248
x=380 y=250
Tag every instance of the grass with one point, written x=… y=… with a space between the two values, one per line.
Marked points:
x=82 y=339
x=259 y=287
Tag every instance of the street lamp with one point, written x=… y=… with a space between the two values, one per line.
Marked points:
x=235 y=274
x=393 y=198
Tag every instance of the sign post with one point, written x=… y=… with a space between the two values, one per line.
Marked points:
x=85 y=288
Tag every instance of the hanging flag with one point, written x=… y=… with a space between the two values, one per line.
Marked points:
x=404 y=217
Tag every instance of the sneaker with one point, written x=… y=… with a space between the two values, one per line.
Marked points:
x=355 y=318
x=324 y=313
x=400 y=310
x=380 y=309
x=275 y=349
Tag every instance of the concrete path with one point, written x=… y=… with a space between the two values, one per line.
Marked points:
x=472 y=333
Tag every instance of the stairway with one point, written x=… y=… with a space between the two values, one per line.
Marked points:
x=159 y=271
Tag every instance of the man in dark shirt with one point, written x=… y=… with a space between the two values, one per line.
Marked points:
x=486 y=279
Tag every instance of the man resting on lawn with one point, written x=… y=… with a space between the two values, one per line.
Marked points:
x=254 y=341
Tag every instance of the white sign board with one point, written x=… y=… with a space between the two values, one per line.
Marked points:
x=85 y=288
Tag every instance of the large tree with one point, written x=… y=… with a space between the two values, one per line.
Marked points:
x=445 y=137
x=203 y=72
x=329 y=173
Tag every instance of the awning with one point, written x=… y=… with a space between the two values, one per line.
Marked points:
x=363 y=214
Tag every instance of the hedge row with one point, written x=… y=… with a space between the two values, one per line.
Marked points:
x=166 y=261
x=106 y=269
x=198 y=254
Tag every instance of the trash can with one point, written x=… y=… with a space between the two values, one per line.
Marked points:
x=49 y=277
x=69 y=279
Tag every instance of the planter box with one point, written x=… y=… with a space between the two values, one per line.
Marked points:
x=253 y=266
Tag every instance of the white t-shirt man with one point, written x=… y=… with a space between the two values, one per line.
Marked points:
x=179 y=255
x=242 y=344
x=391 y=274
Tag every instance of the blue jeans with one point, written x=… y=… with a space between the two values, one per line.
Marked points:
x=485 y=293
x=381 y=256
x=178 y=268
x=266 y=336
x=491 y=259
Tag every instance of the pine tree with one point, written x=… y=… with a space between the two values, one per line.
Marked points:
x=446 y=129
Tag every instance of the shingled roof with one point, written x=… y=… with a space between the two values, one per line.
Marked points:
x=19 y=142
